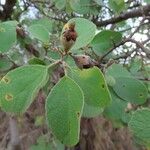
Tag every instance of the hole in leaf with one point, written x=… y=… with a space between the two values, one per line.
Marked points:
x=8 y=97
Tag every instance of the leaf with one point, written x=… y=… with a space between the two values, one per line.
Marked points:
x=131 y=90
x=110 y=80
x=82 y=26
x=53 y=54
x=36 y=61
x=140 y=125
x=94 y=87
x=85 y=7
x=117 y=5
x=91 y=111
x=147 y=1
x=5 y=64
x=99 y=2
x=39 y=120
x=116 y=110
x=105 y=40
x=60 y=4
x=68 y=7
x=39 y=32
x=6 y=41
x=117 y=70
x=42 y=144
x=64 y=107
x=19 y=87
x=47 y=23
x=135 y=65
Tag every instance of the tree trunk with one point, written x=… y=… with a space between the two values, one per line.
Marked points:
x=99 y=134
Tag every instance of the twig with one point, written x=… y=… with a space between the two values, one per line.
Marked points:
x=138 y=27
x=115 y=46
x=140 y=45
x=143 y=24
x=124 y=56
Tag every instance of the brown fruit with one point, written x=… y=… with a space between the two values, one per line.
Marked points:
x=69 y=36
x=84 y=61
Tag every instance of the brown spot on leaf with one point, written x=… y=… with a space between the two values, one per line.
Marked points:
x=8 y=97
x=78 y=114
x=6 y=80
x=2 y=30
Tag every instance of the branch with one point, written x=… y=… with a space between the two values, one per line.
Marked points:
x=125 y=56
x=142 y=11
x=115 y=46
x=140 y=45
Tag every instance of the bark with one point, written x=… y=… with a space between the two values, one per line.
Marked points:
x=99 y=134
x=139 y=12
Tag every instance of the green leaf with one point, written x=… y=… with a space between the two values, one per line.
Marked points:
x=60 y=4
x=53 y=54
x=58 y=145
x=140 y=125
x=117 y=5
x=131 y=90
x=91 y=111
x=68 y=7
x=47 y=23
x=147 y=1
x=85 y=7
x=110 y=80
x=82 y=26
x=99 y=2
x=94 y=88
x=42 y=144
x=117 y=70
x=116 y=110
x=105 y=40
x=39 y=32
x=19 y=87
x=36 y=61
x=39 y=120
x=5 y=64
x=64 y=107
x=135 y=65
x=6 y=41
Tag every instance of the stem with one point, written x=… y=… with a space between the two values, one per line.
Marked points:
x=55 y=63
